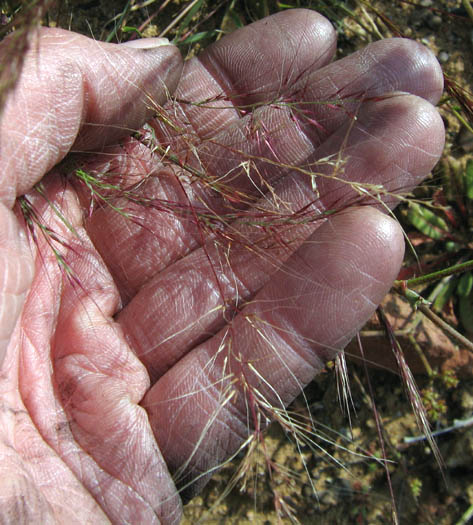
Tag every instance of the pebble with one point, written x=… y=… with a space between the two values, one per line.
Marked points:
x=467 y=400
x=443 y=57
x=434 y=21
x=308 y=492
x=326 y=498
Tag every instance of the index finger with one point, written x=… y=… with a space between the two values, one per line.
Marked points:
x=251 y=66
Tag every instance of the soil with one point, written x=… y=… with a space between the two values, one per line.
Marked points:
x=331 y=473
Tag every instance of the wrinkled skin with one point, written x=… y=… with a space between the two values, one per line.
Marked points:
x=115 y=378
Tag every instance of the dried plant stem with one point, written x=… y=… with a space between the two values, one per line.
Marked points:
x=421 y=354
x=411 y=389
x=178 y=18
x=418 y=302
x=379 y=429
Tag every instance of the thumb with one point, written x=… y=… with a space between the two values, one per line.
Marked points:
x=72 y=92
x=75 y=91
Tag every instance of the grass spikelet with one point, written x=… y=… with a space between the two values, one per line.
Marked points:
x=412 y=391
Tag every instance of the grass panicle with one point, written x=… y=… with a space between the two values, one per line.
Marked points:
x=254 y=219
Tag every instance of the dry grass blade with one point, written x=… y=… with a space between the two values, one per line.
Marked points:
x=20 y=24
x=411 y=390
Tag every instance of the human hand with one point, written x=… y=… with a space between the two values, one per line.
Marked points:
x=159 y=325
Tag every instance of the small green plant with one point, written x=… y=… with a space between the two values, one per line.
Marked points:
x=434 y=403
x=442 y=239
x=416 y=488
x=434 y=394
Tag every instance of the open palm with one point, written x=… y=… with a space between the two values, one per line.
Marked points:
x=148 y=330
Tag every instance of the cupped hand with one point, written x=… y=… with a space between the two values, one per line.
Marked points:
x=165 y=291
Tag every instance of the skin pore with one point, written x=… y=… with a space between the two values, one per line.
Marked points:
x=136 y=353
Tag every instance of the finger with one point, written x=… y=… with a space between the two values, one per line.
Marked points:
x=286 y=132
x=249 y=157
x=252 y=65
x=393 y=145
x=16 y=273
x=386 y=66
x=75 y=91
x=84 y=402
x=303 y=317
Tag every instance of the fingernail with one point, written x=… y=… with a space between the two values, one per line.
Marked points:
x=146 y=43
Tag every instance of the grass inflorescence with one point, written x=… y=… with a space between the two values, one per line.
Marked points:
x=302 y=462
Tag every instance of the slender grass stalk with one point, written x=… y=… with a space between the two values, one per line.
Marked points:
x=379 y=430
x=435 y=276
x=467 y=5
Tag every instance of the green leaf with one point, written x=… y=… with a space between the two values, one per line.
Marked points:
x=187 y=20
x=468 y=177
x=465 y=284
x=427 y=222
x=192 y=39
x=466 y=312
x=130 y=29
x=447 y=289
x=236 y=19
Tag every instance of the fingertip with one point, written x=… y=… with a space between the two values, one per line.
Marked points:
x=419 y=127
x=125 y=86
x=409 y=64
x=310 y=23
x=429 y=70
x=361 y=243
x=382 y=234
x=395 y=142
x=270 y=55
